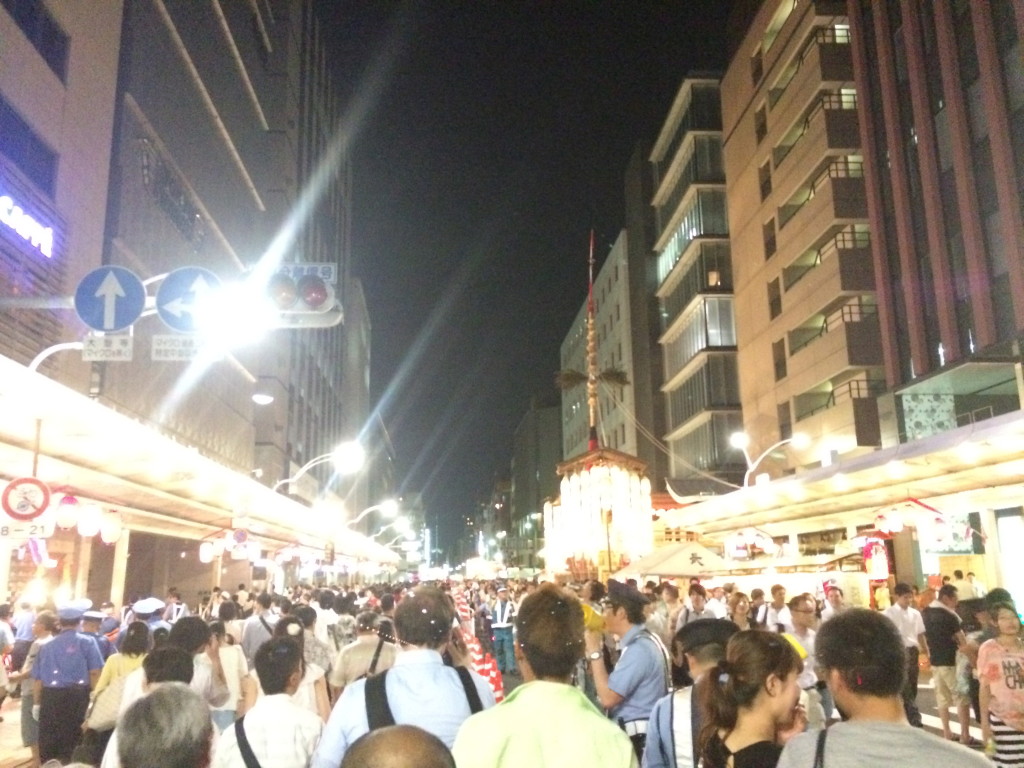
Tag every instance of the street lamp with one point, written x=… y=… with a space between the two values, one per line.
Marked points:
x=741 y=440
x=388 y=508
x=347 y=458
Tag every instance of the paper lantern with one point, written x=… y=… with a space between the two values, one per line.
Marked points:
x=89 y=518
x=206 y=552
x=67 y=512
x=110 y=527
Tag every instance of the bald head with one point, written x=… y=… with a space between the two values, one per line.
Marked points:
x=398 y=746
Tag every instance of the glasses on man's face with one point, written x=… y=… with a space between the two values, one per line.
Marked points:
x=800 y=610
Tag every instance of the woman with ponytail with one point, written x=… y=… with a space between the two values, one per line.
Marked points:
x=747 y=699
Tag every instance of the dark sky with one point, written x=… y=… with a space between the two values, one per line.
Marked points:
x=489 y=138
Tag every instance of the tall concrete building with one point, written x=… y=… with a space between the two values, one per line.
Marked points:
x=694 y=291
x=806 y=309
x=875 y=165
x=535 y=453
x=154 y=135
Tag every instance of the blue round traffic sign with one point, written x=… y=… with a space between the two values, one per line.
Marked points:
x=110 y=298
x=181 y=293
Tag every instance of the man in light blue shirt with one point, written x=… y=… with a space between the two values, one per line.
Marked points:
x=643 y=673
x=419 y=689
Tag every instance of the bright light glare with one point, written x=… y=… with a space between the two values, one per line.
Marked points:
x=348 y=458
x=389 y=508
x=800 y=441
x=739 y=440
x=234 y=316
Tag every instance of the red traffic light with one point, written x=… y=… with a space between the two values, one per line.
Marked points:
x=313 y=291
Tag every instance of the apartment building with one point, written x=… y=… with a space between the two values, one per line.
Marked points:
x=807 y=320
x=694 y=279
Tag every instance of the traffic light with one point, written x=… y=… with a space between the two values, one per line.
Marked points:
x=308 y=302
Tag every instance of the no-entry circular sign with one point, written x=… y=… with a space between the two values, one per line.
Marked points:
x=25 y=498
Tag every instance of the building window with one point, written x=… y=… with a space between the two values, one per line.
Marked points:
x=20 y=144
x=764 y=174
x=774 y=299
x=42 y=30
x=761 y=123
x=768 y=232
x=785 y=421
x=779 y=359
x=757 y=66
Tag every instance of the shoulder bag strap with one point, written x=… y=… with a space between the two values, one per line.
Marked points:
x=243 y=745
x=475 y=705
x=378 y=712
x=819 y=753
x=695 y=723
x=376 y=658
x=267 y=626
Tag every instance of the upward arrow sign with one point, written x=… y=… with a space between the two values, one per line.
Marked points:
x=110 y=289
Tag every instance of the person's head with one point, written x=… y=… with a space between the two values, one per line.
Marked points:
x=698 y=597
x=718 y=593
x=756 y=596
x=945 y=580
x=279 y=665
x=190 y=633
x=136 y=639
x=670 y=593
x=398 y=746
x=91 y=621
x=387 y=603
x=801 y=609
x=623 y=607
x=168 y=664
x=227 y=611
x=549 y=634
x=45 y=624
x=903 y=593
x=975 y=614
x=862 y=655
x=998 y=595
x=160 y=636
x=264 y=600
x=702 y=643
x=948 y=596
x=1005 y=618
x=739 y=604
x=306 y=614
x=834 y=595
x=596 y=591
x=423 y=619
x=970 y=576
x=289 y=626
x=169 y=728
x=759 y=671
x=958 y=574
x=778 y=595
x=366 y=623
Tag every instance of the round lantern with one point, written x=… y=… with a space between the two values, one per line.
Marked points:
x=67 y=512
x=110 y=527
x=89 y=518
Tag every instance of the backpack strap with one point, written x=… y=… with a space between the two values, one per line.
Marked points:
x=819 y=752
x=378 y=712
x=472 y=696
x=248 y=756
x=376 y=657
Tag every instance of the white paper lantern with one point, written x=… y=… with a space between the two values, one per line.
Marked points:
x=206 y=552
x=67 y=512
x=110 y=527
x=89 y=518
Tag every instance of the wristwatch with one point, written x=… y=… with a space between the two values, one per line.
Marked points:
x=595 y=655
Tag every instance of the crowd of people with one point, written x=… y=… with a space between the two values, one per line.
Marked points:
x=604 y=674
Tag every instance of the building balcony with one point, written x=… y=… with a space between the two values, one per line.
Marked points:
x=845 y=339
x=846 y=416
x=829 y=130
x=826 y=62
x=842 y=267
x=836 y=197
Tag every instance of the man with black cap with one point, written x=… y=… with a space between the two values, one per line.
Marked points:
x=643 y=673
x=65 y=671
x=676 y=722
x=502 y=615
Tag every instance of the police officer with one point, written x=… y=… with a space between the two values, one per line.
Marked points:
x=149 y=610
x=643 y=673
x=64 y=672
x=91 y=622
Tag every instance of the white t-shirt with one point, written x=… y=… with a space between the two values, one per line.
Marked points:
x=908 y=622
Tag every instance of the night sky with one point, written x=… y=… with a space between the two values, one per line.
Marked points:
x=489 y=138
